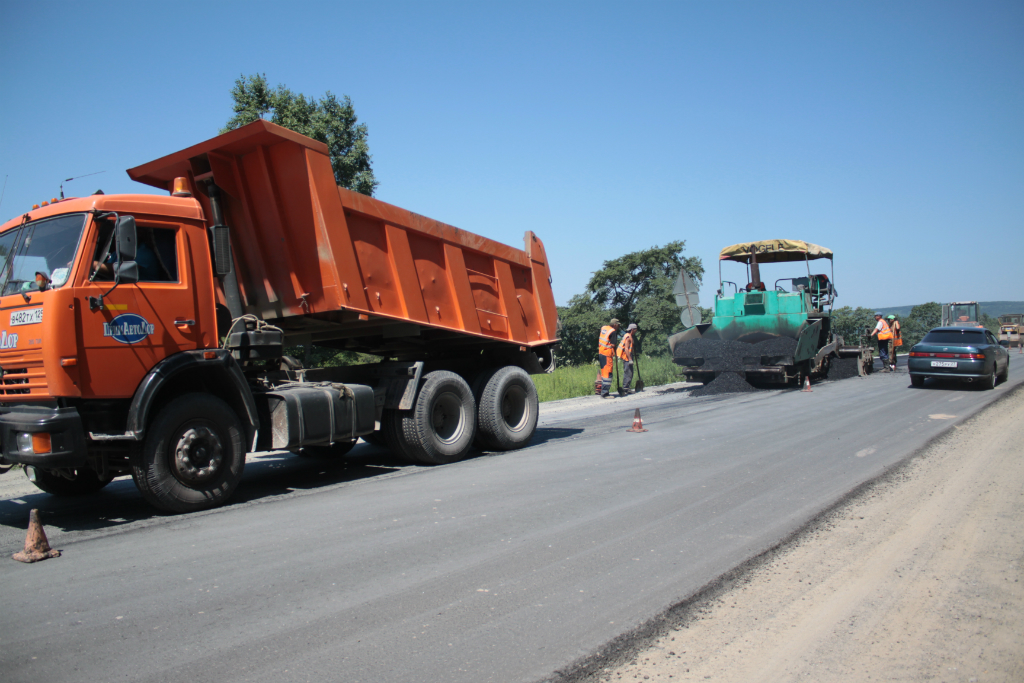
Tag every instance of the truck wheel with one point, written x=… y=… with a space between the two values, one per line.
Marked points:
x=192 y=456
x=507 y=410
x=394 y=439
x=441 y=426
x=78 y=482
x=334 y=452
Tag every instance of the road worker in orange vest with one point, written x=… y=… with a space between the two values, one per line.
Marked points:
x=884 y=333
x=625 y=353
x=606 y=354
x=896 y=341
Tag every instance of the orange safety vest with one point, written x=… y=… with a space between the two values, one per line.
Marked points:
x=625 y=350
x=885 y=332
x=896 y=331
x=605 y=347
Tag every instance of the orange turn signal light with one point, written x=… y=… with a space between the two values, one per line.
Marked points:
x=180 y=188
x=65 y=362
x=209 y=355
x=41 y=442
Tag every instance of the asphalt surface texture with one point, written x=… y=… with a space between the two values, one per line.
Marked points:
x=523 y=566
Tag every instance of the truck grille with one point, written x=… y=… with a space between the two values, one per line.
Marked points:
x=23 y=375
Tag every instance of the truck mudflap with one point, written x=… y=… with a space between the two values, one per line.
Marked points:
x=43 y=436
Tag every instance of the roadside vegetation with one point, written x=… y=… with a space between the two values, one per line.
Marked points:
x=571 y=381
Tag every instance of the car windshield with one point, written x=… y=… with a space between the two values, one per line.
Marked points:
x=956 y=337
x=39 y=255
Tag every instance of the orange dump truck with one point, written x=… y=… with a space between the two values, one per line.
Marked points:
x=146 y=334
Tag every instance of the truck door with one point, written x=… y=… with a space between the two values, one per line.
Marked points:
x=139 y=324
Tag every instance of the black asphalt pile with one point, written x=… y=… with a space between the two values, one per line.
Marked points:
x=725 y=383
x=728 y=356
x=843 y=368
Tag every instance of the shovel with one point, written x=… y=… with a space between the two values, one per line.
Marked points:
x=639 y=379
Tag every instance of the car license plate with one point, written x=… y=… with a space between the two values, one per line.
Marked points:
x=943 y=363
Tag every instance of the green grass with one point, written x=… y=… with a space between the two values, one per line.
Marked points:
x=573 y=381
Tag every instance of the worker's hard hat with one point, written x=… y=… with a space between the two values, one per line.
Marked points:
x=632 y=326
x=878 y=315
x=892 y=317
x=614 y=321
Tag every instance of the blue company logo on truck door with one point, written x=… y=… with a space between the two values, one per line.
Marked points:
x=128 y=328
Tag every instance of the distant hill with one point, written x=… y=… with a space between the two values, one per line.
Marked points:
x=993 y=308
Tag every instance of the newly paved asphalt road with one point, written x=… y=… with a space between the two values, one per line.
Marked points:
x=505 y=567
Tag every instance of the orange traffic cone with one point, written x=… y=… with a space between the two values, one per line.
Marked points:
x=36 y=546
x=807 y=383
x=638 y=423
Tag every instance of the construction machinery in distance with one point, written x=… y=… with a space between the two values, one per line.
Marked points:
x=961 y=313
x=767 y=335
x=1010 y=328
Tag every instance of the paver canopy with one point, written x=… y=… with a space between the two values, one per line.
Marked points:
x=775 y=251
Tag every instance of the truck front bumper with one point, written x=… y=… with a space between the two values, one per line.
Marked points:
x=67 y=446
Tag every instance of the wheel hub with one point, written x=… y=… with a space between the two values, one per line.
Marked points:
x=446 y=417
x=198 y=454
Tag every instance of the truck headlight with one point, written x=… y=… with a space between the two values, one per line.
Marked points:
x=34 y=443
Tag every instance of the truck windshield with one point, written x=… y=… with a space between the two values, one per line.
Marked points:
x=964 y=313
x=39 y=255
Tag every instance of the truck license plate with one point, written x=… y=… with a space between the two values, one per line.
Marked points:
x=943 y=363
x=27 y=316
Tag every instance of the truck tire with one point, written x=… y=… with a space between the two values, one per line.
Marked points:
x=192 y=456
x=441 y=426
x=394 y=439
x=337 y=451
x=83 y=481
x=507 y=410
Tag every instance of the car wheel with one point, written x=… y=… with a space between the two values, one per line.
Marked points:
x=917 y=380
x=192 y=456
x=1005 y=374
x=68 y=482
x=988 y=382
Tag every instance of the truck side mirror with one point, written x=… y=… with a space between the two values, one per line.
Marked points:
x=126 y=238
x=126 y=272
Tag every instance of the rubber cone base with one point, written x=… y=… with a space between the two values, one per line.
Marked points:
x=37 y=548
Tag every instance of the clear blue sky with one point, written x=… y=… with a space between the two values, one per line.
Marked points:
x=892 y=133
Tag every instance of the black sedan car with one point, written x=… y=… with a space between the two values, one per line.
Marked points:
x=970 y=354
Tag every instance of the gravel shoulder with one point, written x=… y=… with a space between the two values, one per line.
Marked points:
x=917 y=577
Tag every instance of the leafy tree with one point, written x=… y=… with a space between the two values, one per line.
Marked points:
x=990 y=323
x=920 y=320
x=853 y=324
x=329 y=120
x=579 y=327
x=637 y=288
